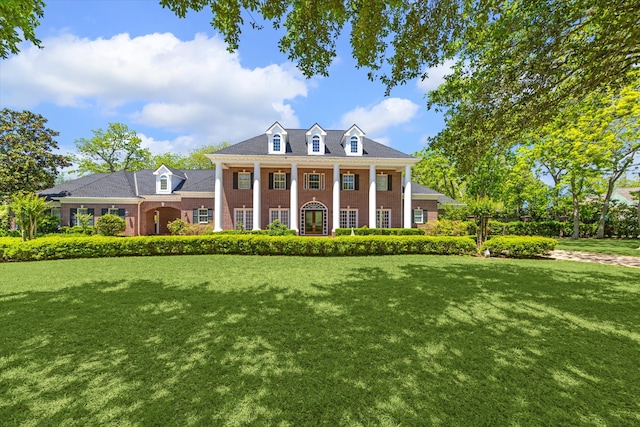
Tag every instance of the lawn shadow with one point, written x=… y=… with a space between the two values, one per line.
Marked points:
x=494 y=343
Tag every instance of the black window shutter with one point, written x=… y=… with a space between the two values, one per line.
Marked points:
x=209 y=215
x=235 y=180
x=103 y=211
x=91 y=212
x=288 y=181
x=341 y=183
x=389 y=182
x=252 y=180
x=122 y=212
x=356 y=182
x=195 y=216
x=72 y=216
x=270 y=180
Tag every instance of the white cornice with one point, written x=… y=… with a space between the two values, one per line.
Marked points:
x=315 y=160
x=196 y=194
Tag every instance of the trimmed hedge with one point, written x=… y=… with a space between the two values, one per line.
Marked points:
x=520 y=246
x=100 y=246
x=380 y=232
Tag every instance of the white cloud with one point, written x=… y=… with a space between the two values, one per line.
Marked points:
x=194 y=87
x=180 y=144
x=375 y=120
x=435 y=76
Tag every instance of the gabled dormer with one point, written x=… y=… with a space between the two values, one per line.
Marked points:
x=352 y=141
x=316 y=140
x=167 y=179
x=277 y=139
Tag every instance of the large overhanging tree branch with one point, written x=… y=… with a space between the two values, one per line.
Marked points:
x=517 y=60
x=18 y=21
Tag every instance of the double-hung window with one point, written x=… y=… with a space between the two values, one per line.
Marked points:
x=348 y=181
x=314 y=181
x=276 y=143
x=418 y=216
x=203 y=216
x=382 y=182
x=279 y=181
x=354 y=144
x=244 y=180
x=164 y=183
x=315 y=144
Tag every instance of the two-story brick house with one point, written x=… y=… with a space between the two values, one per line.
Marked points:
x=315 y=181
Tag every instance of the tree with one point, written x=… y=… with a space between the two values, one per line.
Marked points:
x=27 y=209
x=516 y=60
x=119 y=148
x=196 y=159
x=27 y=163
x=437 y=171
x=18 y=19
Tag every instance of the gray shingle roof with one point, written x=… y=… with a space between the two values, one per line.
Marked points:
x=442 y=199
x=122 y=184
x=297 y=146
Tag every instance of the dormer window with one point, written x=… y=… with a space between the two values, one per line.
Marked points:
x=277 y=137
x=164 y=183
x=352 y=141
x=316 y=141
x=354 y=144
x=168 y=179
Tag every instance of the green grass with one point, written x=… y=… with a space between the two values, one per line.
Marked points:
x=627 y=247
x=241 y=340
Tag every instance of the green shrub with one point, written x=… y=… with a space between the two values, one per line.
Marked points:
x=448 y=227
x=48 y=224
x=177 y=227
x=76 y=229
x=110 y=225
x=276 y=228
x=519 y=246
x=364 y=231
x=58 y=247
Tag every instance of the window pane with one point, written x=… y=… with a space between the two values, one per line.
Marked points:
x=244 y=181
x=163 y=182
x=418 y=216
x=314 y=181
x=203 y=216
x=280 y=181
x=316 y=144
x=381 y=182
x=354 y=144
x=276 y=143
x=348 y=182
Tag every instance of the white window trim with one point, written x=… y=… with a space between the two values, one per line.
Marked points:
x=244 y=213
x=280 y=214
x=307 y=181
x=200 y=216
x=353 y=181
x=386 y=181
x=379 y=213
x=346 y=216
x=240 y=181
x=421 y=219
x=282 y=182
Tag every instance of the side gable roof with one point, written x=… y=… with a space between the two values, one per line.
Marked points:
x=417 y=189
x=297 y=146
x=122 y=184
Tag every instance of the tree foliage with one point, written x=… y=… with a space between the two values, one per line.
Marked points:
x=516 y=60
x=18 y=22
x=195 y=159
x=27 y=163
x=118 y=148
x=27 y=209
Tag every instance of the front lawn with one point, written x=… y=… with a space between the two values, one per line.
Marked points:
x=290 y=341
x=627 y=247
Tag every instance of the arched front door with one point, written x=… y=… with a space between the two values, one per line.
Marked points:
x=313 y=216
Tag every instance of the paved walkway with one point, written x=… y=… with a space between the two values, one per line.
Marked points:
x=627 y=261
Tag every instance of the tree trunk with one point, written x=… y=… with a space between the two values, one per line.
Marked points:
x=638 y=208
x=576 y=218
x=605 y=208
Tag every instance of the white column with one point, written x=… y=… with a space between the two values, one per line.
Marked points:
x=293 y=198
x=372 y=196
x=336 y=198
x=217 y=209
x=408 y=209
x=257 y=207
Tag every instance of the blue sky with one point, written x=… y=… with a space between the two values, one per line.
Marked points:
x=172 y=80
